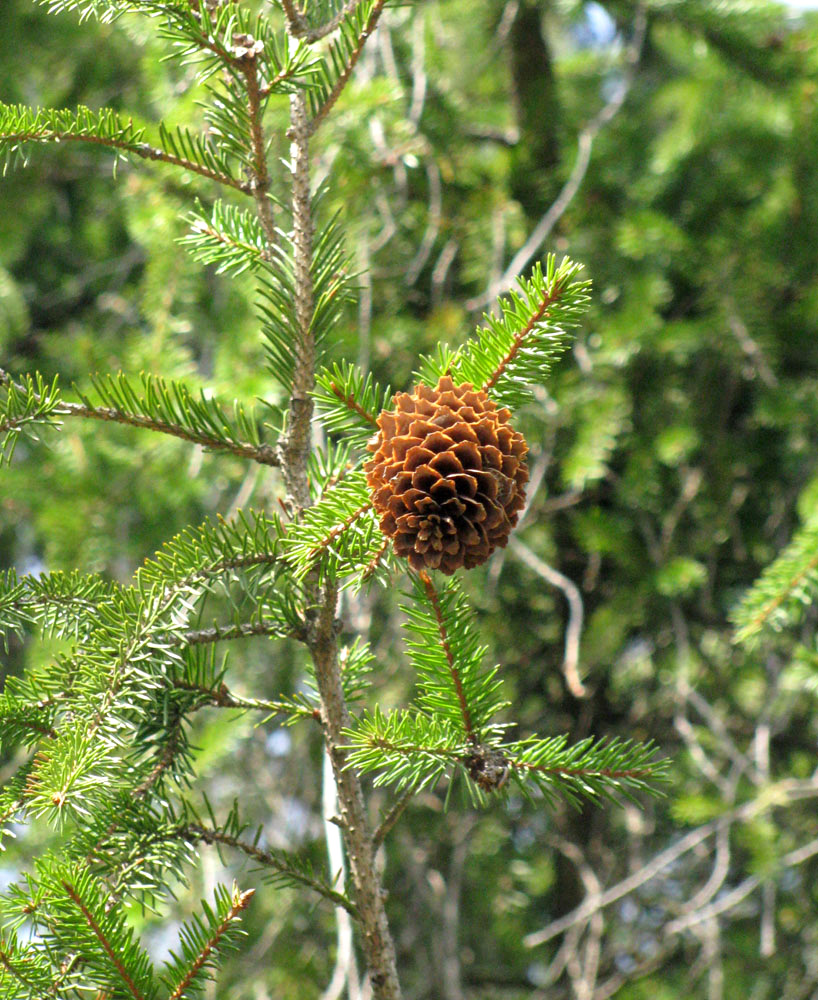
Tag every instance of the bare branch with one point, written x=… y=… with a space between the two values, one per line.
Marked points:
x=573 y=631
x=778 y=795
x=585 y=144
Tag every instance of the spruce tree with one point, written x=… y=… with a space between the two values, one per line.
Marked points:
x=102 y=731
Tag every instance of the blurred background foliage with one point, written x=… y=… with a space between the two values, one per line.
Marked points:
x=673 y=455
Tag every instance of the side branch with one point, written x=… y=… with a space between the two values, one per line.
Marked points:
x=141 y=149
x=434 y=600
x=343 y=79
x=241 y=902
x=520 y=337
x=265 y=454
x=194 y=832
x=353 y=404
x=261 y=176
x=106 y=945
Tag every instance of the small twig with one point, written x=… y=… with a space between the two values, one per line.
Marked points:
x=353 y=404
x=195 y=832
x=355 y=55
x=106 y=945
x=240 y=902
x=316 y=34
x=222 y=697
x=141 y=149
x=244 y=630
x=431 y=593
x=780 y=794
x=521 y=335
x=741 y=891
x=374 y=562
x=391 y=818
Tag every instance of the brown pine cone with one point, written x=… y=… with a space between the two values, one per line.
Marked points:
x=448 y=475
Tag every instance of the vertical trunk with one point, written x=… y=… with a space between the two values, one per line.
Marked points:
x=321 y=598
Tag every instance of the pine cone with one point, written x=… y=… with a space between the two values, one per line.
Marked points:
x=448 y=477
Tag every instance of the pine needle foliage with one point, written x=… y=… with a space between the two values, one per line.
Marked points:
x=785 y=589
x=514 y=351
x=103 y=728
x=445 y=650
x=24 y=406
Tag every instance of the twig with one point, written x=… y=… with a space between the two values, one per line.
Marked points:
x=195 y=832
x=106 y=945
x=353 y=404
x=244 y=630
x=741 y=891
x=391 y=818
x=240 y=902
x=343 y=79
x=780 y=794
x=434 y=600
x=315 y=34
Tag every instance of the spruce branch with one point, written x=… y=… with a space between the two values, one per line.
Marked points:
x=102 y=937
x=63 y=604
x=279 y=861
x=244 y=630
x=514 y=351
x=445 y=649
x=24 y=406
x=344 y=55
x=239 y=902
x=163 y=406
x=349 y=401
x=431 y=594
x=783 y=590
x=20 y=126
x=221 y=697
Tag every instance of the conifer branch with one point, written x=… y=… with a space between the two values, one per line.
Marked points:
x=329 y=101
x=519 y=338
x=241 y=900
x=434 y=600
x=261 y=175
x=19 y=125
x=160 y=397
x=243 y=630
x=103 y=940
x=268 y=859
x=372 y=566
x=350 y=402
x=222 y=697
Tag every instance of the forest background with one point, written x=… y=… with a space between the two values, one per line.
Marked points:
x=671 y=147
